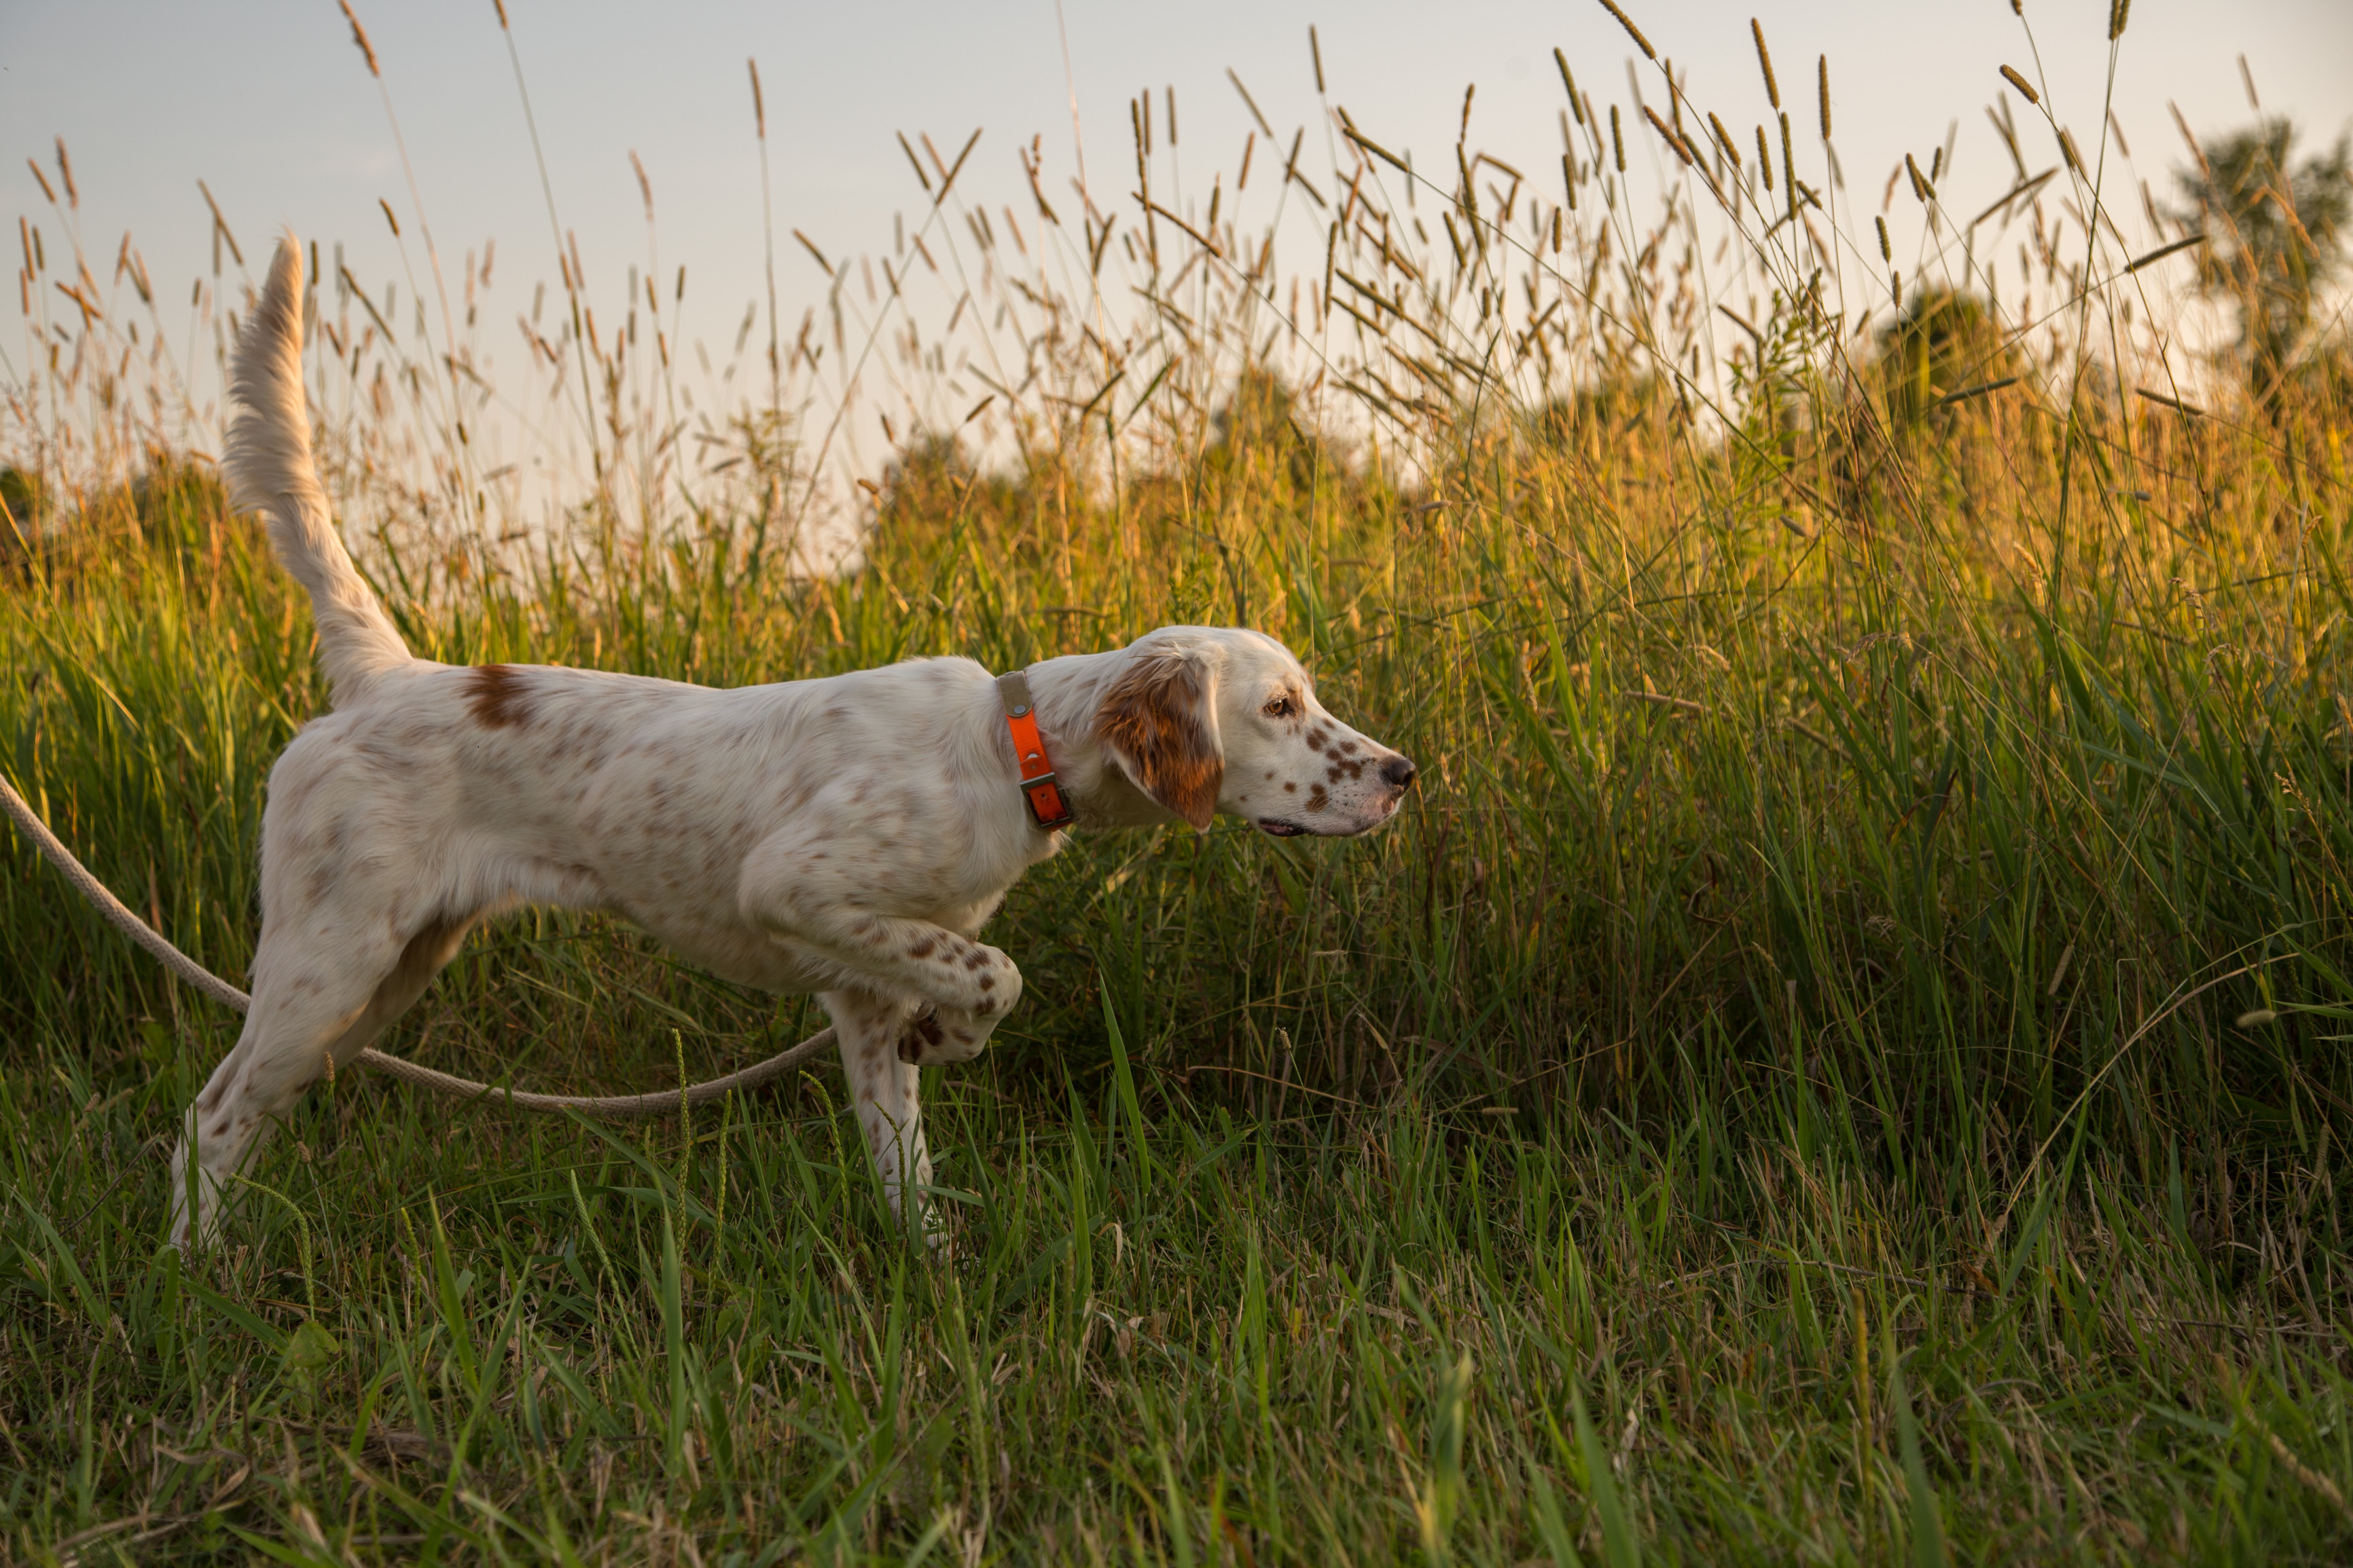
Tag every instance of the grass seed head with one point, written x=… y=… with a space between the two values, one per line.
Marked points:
x=1724 y=138
x=1570 y=81
x=359 y=36
x=1765 y=63
x=1922 y=191
x=1667 y=132
x=1632 y=31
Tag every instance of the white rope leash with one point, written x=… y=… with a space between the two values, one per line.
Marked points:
x=618 y=1107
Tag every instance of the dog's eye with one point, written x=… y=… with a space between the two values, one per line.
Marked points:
x=1281 y=708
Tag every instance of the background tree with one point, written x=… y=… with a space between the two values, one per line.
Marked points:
x=1943 y=341
x=2275 y=238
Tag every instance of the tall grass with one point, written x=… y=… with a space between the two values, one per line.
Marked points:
x=1838 y=1061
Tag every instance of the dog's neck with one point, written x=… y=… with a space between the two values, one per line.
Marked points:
x=1068 y=693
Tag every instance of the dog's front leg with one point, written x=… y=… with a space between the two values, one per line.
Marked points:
x=817 y=893
x=885 y=1090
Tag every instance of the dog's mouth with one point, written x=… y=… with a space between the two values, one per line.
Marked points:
x=1275 y=827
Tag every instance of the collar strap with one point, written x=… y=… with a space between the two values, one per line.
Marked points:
x=1048 y=809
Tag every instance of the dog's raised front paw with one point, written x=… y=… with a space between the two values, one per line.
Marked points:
x=938 y=1036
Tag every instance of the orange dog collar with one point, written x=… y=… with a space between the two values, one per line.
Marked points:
x=1048 y=809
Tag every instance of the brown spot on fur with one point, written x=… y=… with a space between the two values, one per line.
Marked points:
x=926 y=1029
x=1290 y=789
x=1154 y=717
x=1316 y=799
x=988 y=982
x=495 y=696
x=976 y=959
x=922 y=949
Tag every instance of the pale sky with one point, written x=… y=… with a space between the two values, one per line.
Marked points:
x=270 y=103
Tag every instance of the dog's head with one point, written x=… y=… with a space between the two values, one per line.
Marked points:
x=1206 y=719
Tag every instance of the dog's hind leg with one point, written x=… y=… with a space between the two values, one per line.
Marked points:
x=312 y=999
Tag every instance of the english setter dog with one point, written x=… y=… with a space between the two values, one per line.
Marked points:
x=847 y=835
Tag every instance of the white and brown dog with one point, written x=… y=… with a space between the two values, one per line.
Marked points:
x=847 y=835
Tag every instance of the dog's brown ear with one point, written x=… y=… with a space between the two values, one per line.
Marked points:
x=1157 y=721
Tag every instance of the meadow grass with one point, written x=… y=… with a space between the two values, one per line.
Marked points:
x=1840 y=1060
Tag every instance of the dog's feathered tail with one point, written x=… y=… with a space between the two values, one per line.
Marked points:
x=270 y=471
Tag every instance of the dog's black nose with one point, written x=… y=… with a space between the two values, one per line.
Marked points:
x=1398 y=773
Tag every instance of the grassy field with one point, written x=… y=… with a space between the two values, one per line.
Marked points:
x=1840 y=1061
